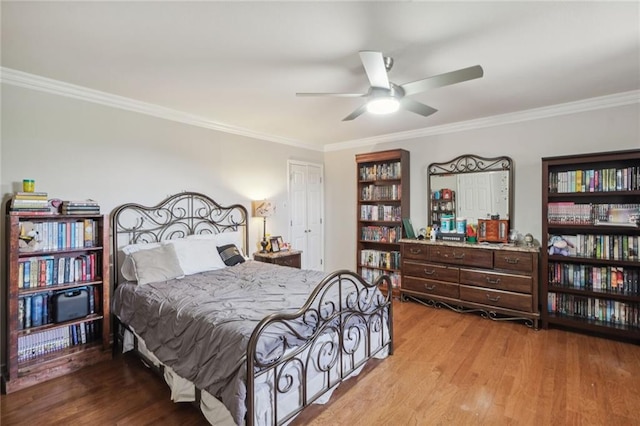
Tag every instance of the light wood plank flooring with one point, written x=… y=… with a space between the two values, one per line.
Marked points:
x=448 y=369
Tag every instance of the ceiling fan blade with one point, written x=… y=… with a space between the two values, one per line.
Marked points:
x=440 y=80
x=355 y=114
x=373 y=63
x=417 y=107
x=343 y=95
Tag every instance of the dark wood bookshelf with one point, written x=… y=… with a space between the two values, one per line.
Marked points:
x=582 y=307
x=47 y=361
x=382 y=160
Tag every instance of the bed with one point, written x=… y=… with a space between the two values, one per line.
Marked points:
x=248 y=342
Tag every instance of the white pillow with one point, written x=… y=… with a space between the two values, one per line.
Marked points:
x=223 y=238
x=156 y=264
x=197 y=255
x=128 y=268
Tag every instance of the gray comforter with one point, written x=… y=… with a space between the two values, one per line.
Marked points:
x=200 y=325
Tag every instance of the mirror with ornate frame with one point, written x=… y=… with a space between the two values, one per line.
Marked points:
x=470 y=187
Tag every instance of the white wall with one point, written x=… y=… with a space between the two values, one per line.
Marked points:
x=526 y=143
x=76 y=150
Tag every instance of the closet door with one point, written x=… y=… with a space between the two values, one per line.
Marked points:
x=306 y=206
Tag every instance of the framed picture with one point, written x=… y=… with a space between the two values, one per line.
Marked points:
x=276 y=242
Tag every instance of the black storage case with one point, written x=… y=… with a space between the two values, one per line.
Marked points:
x=70 y=304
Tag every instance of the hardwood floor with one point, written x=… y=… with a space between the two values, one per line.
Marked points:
x=448 y=369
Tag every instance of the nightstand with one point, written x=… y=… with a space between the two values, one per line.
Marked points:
x=290 y=258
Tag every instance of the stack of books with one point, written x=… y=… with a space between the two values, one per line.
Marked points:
x=85 y=207
x=30 y=202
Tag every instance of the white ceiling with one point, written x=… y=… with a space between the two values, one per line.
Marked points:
x=238 y=65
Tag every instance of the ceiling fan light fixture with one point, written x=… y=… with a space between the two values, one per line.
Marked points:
x=383 y=105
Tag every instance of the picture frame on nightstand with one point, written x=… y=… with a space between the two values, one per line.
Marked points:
x=276 y=244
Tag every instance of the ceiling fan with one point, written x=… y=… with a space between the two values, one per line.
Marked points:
x=385 y=96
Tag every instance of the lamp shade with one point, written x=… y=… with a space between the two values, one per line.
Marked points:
x=263 y=208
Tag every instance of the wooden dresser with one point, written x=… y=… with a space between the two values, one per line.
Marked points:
x=500 y=281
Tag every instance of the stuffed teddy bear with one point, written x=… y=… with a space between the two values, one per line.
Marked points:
x=29 y=238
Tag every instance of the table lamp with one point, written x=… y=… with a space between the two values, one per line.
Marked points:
x=264 y=209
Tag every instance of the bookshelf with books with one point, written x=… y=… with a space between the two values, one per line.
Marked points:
x=590 y=276
x=57 y=277
x=383 y=201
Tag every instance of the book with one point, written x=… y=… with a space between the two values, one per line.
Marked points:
x=31 y=194
x=36 y=310
x=408 y=227
x=82 y=203
x=20 y=313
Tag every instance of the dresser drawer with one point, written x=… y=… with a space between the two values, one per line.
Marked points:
x=430 y=271
x=519 y=283
x=436 y=288
x=513 y=261
x=498 y=298
x=415 y=251
x=462 y=256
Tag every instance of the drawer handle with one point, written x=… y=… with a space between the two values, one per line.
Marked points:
x=415 y=250
x=431 y=272
x=429 y=287
x=458 y=256
x=493 y=299
x=490 y=281
x=512 y=260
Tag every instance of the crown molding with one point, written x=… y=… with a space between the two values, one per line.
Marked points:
x=609 y=101
x=56 y=87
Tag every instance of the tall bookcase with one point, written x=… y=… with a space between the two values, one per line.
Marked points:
x=590 y=262
x=383 y=201
x=70 y=265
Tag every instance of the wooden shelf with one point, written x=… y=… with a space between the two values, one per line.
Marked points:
x=383 y=180
x=55 y=349
x=577 y=306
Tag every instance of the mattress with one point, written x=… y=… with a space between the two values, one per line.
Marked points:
x=199 y=327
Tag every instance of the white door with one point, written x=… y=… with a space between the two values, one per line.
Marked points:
x=306 y=207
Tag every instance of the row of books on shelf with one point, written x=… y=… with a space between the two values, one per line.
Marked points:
x=381 y=212
x=596 y=180
x=35 y=345
x=37 y=310
x=610 y=279
x=382 y=234
x=594 y=214
x=45 y=271
x=381 y=171
x=57 y=235
x=380 y=192
x=371 y=275
x=596 y=246
x=380 y=259
x=607 y=311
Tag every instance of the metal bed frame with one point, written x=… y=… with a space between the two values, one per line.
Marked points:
x=360 y=321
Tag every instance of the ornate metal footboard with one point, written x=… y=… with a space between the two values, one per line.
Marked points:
x=344 y=323
x=347 y=322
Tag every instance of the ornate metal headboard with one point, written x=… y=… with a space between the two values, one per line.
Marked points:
x=177 y=216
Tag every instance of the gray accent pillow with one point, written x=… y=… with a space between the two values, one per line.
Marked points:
x=157 y=264
x=230 y=254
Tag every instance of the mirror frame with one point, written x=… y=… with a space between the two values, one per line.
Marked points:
x=470 y=163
